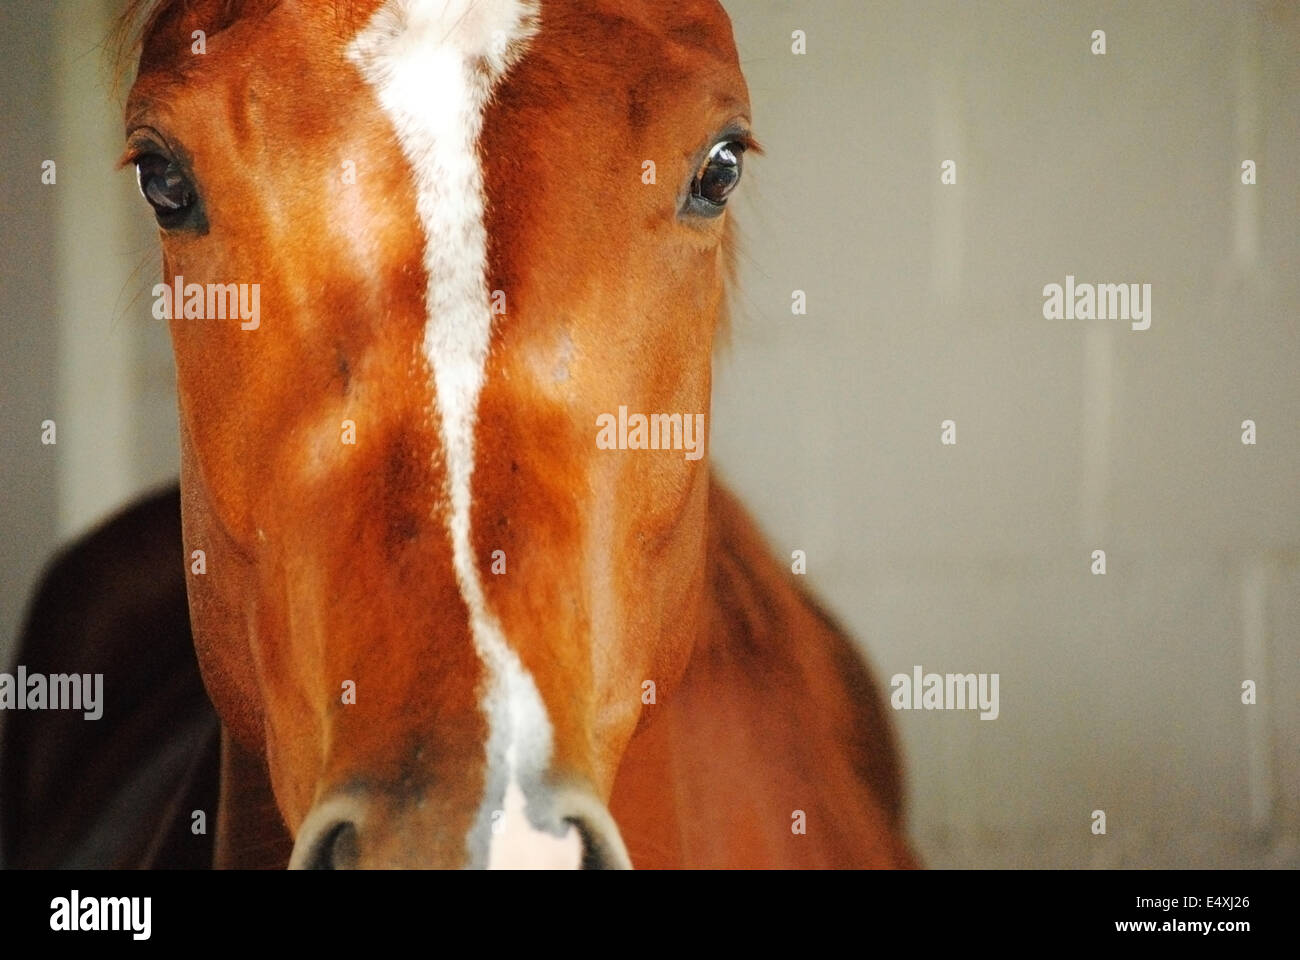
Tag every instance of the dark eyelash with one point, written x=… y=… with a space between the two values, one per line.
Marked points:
x=141 y=142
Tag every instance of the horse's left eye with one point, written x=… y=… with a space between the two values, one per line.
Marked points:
x=719 y=174
x=168 y=191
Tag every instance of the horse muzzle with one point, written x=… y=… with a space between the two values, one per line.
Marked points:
x=562 y=829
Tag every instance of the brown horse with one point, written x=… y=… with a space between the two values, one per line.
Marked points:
x=454 y=603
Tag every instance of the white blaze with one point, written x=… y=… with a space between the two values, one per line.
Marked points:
x=434 y=64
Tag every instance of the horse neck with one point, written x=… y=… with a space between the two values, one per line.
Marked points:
x=779 y=690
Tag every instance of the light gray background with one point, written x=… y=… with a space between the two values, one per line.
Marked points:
x=1119 y=692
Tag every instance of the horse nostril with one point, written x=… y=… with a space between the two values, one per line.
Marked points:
x=596 y=854
x=336 y=849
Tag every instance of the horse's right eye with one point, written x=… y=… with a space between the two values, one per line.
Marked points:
x=165 y=187
x=721 y=172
